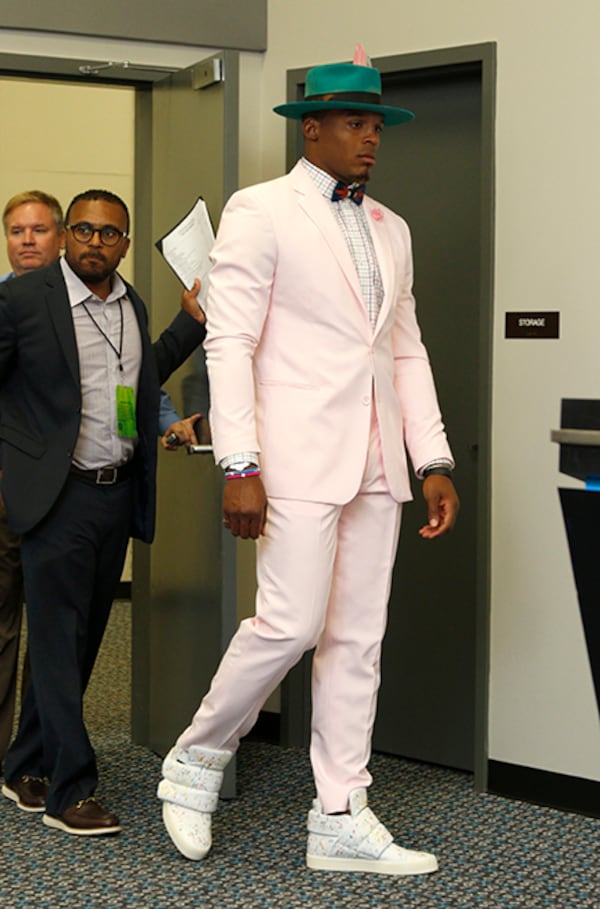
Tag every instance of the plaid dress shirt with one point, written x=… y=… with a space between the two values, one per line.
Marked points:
x=353 y=224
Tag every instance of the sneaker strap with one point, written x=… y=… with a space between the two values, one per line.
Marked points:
x=197 y=799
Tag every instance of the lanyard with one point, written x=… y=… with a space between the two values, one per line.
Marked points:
x=118 y=350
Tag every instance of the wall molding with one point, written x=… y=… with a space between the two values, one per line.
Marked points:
x=543 y=787
x=235 y=24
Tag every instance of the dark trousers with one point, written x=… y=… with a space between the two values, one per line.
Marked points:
x=11 y=611
x=72 y=564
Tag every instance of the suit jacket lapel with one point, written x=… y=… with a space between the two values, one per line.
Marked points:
x=316 y=208
x=311 y=201
x=59 y=309
x=57 y=302
x=384 y=253
x=142 y=322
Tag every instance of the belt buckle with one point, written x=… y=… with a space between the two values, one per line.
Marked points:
x=106 y=476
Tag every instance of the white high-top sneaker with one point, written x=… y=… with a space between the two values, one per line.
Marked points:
x=359 y=842
x=190 y=795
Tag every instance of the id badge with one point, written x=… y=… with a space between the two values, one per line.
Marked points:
x=126 y=422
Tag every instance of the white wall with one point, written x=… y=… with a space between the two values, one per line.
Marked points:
x=542 y=710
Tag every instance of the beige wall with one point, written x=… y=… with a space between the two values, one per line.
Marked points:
x=54 y=139
x=542 y=709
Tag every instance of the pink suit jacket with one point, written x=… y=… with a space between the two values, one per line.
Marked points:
x=294 y=364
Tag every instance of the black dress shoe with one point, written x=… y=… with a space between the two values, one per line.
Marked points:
x=85 y=818
x=29 y=792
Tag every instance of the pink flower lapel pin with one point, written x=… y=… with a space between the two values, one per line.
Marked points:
x=377 y=214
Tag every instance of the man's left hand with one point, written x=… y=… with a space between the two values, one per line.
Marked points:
x=442 y=506
x=184 y=430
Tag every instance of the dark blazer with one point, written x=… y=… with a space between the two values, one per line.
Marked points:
x=40 y=396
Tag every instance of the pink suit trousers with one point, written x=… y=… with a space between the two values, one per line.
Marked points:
x=324 y=574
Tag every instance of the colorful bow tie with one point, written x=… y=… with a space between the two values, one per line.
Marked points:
x=341 y=191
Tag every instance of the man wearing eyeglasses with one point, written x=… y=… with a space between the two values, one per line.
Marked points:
x=34 y=227
x=79 y=399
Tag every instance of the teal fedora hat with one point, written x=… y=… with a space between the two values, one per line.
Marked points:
x=344 y=86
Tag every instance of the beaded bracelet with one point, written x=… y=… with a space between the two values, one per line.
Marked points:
x=251 y=472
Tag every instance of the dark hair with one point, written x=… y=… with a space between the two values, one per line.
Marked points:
x=98 y=194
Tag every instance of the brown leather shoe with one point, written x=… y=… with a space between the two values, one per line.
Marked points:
x=29 y=792
x=85 y=818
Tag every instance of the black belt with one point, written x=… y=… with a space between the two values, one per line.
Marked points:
x=104 y=476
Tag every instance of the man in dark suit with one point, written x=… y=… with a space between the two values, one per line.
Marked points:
x=33 y=222
x=79 y=399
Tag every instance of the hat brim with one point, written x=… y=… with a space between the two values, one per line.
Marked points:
x=392 y=116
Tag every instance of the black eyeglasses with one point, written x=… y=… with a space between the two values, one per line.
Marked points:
x=84 y=231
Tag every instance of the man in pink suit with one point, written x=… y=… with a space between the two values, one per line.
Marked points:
x=319 y=385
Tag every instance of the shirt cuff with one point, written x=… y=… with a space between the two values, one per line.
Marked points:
x=444 y=463
x=242 y=457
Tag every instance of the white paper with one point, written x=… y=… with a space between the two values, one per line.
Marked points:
x=186 y=247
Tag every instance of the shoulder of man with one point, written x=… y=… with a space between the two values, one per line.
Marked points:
x=384 y=217
x=131 y=291
x=137 y=301
x=260 y=190
x=386 y=212
x=31 y=281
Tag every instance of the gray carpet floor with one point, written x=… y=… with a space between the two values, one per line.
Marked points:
x=493 y=852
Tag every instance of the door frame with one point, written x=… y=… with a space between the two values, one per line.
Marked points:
x=295 y=706
x=142 y=79
x=218 y=566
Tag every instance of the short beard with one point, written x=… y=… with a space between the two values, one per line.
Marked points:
x=90 y=276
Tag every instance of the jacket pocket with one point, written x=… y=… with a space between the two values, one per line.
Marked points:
x=29 y=445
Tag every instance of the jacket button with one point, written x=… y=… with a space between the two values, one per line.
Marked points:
x=366 y=400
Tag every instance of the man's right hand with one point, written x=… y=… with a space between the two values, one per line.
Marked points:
x=245 y=507
x=190 y=303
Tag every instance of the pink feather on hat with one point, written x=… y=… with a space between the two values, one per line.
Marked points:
x=360 y=56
